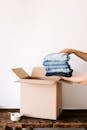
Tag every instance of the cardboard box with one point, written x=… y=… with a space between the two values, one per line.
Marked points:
x=40 y=95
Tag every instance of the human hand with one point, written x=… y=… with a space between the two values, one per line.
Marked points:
x=67 y=50
x=80 y=79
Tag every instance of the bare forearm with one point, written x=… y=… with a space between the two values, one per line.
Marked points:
x=82 y=55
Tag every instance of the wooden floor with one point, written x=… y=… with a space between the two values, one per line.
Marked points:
x=68 y=119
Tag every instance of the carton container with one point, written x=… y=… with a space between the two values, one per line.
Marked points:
x=40 y=95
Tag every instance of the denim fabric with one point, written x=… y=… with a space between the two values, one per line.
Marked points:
x=57 y=56
x=52 y=63
x=58 y=70
x=59 y=74
x=58 y=67
x=57 y=64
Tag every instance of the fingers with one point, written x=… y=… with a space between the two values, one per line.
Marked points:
x=81 y=79
x=67 y=50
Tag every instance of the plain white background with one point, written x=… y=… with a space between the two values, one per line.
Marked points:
x=29 y=30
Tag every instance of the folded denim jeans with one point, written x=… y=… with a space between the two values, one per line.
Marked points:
x=57 y=56
x=59 y=70
x=53 y=63
x=57 y=66
x=59 y=74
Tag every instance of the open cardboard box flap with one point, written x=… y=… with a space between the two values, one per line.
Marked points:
x=38 y=73
x=21 y=73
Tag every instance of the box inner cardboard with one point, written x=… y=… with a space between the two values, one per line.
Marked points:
x=37 y=73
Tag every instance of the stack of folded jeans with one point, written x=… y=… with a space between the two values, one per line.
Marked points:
x=57 y=64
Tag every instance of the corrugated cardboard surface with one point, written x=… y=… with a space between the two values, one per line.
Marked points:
x=40 y=94
x=20 y=72
x=41 y=101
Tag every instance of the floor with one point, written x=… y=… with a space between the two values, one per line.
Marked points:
x=68 y=119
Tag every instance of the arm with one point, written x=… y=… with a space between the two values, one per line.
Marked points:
x=82 y=55
x=82 y=79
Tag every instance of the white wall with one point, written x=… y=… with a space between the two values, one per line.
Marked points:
x=30 y=29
